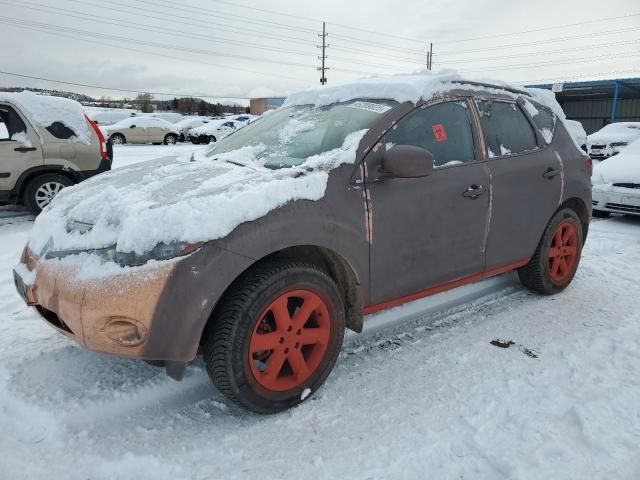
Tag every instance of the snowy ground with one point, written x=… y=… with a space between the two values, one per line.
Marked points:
x=431 y=398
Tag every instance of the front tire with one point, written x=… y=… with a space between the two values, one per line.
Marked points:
x=118 y=139
x=170 y=139
x=41 y=191
x=211 y=139
x=556 y=259
x=275 y=336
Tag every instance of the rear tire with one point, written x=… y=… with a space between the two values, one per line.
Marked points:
x=42 y=189
x=170 y=139
x=258 y=352
x=556 y=259
x=118 y=139
x=211 y=139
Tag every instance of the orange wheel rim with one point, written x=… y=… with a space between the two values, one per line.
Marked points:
x=563 y=252
x=289 y=340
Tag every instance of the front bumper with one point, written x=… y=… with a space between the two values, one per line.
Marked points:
x=616 y=200
x=81 y=309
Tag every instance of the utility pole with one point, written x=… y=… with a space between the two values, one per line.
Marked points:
x=324 y=46
x=430 y=57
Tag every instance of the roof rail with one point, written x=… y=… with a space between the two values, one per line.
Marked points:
x=491 y=85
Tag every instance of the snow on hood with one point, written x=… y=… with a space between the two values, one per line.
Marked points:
x=169 y=200
x=621 y=168
x=616 y=132
x=209 y=127
x=43 y=110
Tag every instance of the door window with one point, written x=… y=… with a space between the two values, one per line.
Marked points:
x=444 y=129
x=507 y=131
x=10 y=123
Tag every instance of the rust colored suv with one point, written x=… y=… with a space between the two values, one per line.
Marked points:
x=346 y=201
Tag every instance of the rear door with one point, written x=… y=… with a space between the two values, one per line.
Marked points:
x=137 y=131
x=429 y=231
x=156 y=130
x=20 y=147
x=526 y=182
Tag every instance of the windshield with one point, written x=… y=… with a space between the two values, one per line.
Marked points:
x=287 y=137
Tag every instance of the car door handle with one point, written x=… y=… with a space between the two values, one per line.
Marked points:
x=25 y=149
x=549 y=173
x=474 y=191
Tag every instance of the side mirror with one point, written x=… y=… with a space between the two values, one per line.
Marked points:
x=132 y=126
x=406 y=161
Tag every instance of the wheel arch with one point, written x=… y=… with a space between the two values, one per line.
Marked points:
x=27 y=176
x=577 y=205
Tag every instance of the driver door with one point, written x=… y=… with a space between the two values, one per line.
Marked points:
x=429 y=231
x=20 y=147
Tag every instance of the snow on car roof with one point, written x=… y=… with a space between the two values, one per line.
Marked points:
x=43 y=110
x=414 y=87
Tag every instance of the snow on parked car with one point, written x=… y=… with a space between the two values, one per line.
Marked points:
x=616 y=183
x=142 y=129
x=263 y=248
x=612 y=139
x=213 y=131
x=576 y=130
x=108 y=117
x=185 y=125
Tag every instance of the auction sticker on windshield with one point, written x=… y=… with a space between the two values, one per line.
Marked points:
x=370 y=106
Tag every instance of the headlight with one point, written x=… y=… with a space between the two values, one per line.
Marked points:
x=162 y=251
x=618 y=144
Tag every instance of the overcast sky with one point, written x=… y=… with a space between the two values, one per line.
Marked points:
x=216 y=48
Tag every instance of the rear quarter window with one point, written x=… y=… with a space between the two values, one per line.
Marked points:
x=60 y=130
x=506 y=129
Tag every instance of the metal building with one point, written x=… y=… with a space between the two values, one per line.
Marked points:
x=597 y=103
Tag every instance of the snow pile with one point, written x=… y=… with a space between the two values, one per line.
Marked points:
x=44 y=110
x=168 y=200
x=621 y=168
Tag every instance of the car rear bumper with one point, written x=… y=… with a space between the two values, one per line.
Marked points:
x=617 y=200
x=84 y=310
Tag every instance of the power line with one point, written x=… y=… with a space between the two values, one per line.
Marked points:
x=113 y=89
x=164 y=55
x=147 y=27
x=20 y=22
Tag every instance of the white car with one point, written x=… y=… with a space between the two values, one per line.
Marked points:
x=612 y=139
x=576 y=130
x=184 y=126
x=616 y=183
x=213 y=131
x=142 y=129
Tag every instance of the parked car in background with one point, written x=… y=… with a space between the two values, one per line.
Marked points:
x=260 y=251
x=213 y=131
x=612 y=139
x=185 y=125
x=142 y=129
x=46 y=144
x=616 y=183
x=108 y=117
x=576 y=130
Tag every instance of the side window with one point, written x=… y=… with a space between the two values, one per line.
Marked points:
x=60 y=130
x=444 y=129
x=544 y=119
x=10 y=123
x=507 y=131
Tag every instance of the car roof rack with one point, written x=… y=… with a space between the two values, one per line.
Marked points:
x=492 y=85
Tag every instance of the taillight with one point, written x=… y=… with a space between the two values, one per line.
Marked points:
x=101 y=141
x=589 y=163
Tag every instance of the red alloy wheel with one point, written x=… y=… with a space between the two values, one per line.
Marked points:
x=289 y=340
x=563 y=252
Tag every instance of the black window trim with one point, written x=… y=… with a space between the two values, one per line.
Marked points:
x=26 y=122
x=540 y=143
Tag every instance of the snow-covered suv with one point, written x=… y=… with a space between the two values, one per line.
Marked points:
x=46 y=144
x=346 y=201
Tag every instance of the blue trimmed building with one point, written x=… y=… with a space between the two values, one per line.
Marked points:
x=596 y=103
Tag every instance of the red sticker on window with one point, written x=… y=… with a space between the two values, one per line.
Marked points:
x=439 y=133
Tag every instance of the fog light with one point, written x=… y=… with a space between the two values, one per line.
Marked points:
x=125 y=331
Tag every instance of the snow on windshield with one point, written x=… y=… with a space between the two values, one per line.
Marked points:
x=43 y=110
x=186 y=199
